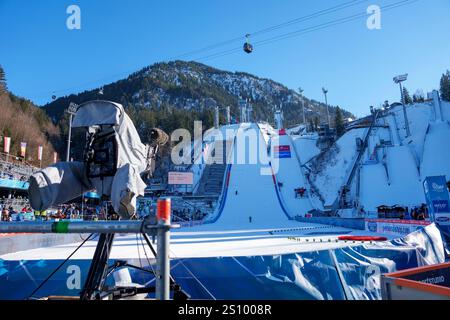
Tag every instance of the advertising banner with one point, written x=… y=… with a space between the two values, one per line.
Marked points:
x=436 y=195
x=181 y=178
x=23 y=149
x=282 y=152
x=6 y=144
x=395 y=227
x=40 y=149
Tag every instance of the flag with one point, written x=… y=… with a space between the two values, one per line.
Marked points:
x=55 y=157
x=40 y=149
x=23 y=149
x=6 y=144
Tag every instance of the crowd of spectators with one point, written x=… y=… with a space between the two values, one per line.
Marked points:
x=13 y=170
x=181 y=215
x=403 y=213
x=63 y=212
x=148 y=208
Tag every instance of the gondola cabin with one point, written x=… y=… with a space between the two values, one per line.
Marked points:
x=248 y=48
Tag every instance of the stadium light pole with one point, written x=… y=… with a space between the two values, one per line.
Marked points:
x=399 y=80
x=325 y=91
x=71 y=111
x=300 y=91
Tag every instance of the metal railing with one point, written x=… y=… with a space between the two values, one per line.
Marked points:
x=161 y=230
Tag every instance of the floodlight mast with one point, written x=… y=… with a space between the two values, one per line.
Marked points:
x=325 y=91
x=399 y=79
x=300 y=91
x=71 y=111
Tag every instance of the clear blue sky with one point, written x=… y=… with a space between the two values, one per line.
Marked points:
x=40 y=55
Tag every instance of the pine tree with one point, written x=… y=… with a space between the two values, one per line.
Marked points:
x=407 y=96
x=419 y=97
x=445 y=86
x=339 y=123
x=311 y=125
x=316 y=124
x=2 y=80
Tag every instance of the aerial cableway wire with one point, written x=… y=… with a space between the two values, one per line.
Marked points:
x=272 y=28
x=307 y=30
x=274 y=39
x=220 y=44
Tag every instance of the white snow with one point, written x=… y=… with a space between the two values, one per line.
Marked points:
x=408 y=160
x=270 y=231
x=306 y=146
x=333 y=170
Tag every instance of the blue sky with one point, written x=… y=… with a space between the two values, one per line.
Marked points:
x=41 y=56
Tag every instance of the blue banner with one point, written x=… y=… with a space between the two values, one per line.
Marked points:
x=351 y=272
x=436 y=195
x=283 y=155
x=14 y=184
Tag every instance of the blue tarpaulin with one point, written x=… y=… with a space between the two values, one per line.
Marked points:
x=351 y=272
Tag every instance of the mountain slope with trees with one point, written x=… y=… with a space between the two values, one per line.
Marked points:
x=21 y=120
x=173 y=95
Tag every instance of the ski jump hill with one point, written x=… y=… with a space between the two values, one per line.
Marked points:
x=393 y=166
x=251 y=247
x=259 y=189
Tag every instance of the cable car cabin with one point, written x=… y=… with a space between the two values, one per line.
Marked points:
x=248 y=48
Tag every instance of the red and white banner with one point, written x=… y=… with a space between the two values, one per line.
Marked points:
x=6 y=144
x=181 y=178
x=40 y=150
x=23 y=149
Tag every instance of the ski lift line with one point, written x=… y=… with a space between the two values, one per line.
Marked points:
x=208 y=48
x=308 y=30
x=311 y=29
x=336 y=22
x=235 y=50
x=275 y=27
x=226 y=42
x=310 y=16
x=83 y=85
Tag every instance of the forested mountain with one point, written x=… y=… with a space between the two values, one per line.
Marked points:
x=173 y=95
x=21 y=120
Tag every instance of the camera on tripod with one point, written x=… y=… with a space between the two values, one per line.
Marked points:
x=115 y=161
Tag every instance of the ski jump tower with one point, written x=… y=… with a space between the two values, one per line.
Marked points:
x=278 y=115
x=243 y=109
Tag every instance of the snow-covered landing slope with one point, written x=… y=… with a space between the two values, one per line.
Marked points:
x=306 y=146
x=393 y=168
x=200 y=242
x=250 y=193
x=251 y=199
x=332 y=168
x=290 y=177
